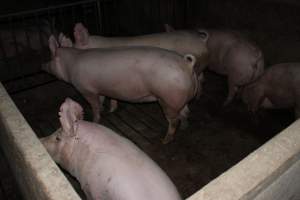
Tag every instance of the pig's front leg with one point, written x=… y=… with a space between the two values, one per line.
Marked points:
x=93 y=100
x=232 y=90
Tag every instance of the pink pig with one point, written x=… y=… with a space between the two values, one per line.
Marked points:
x=233 y=55
x=134 y=74
x=277 y=88
x=181 y=41
x=106 y=165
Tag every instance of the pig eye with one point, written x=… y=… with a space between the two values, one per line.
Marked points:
x=57 y=138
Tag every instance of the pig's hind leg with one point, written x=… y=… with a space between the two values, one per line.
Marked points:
x=173 y=119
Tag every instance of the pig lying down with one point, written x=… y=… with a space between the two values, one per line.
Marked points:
x=180 y=41
x=108 y=166
x=277 y=88
x=134 y=74
x=233 y=55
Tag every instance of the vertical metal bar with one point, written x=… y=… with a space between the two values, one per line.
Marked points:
x=52 y=23
x=84 y=7
x=74 y=20
x=61 y=19
x=18 y=68
x=98 y=17
x=40 y=37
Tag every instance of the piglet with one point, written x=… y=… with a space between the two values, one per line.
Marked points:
x=133 y=74
x=107 y=166
x=277 y=88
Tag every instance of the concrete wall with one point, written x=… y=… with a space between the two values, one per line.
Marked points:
x=272 y=172
x=37 y=175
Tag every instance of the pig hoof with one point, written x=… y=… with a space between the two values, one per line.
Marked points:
x=167 y=139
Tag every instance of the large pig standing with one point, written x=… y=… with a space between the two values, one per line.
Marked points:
x=183 y=42
x=134 y=74
x=279 y=87
x=233 y=55
x=108 y=166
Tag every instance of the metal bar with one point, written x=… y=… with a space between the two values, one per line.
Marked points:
x=48 y=8
x=99 y=17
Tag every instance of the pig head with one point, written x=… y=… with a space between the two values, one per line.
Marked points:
x=106 y=165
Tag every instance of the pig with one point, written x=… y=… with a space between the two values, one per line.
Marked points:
x=181 y=41
x=107 y=165
x=133 y=74
x=234 y=56
x=278 y=88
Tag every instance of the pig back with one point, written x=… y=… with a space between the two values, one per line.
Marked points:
x=183 y=42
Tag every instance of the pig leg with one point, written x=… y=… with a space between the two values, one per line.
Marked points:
x=232 y=90
x=113 y=105
x=173 y=123
x=173 y=119
x=183 y=117
x=93 y=100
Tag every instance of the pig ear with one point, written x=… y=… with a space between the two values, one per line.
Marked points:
x=53 y=45
x=203 y=34
x=64 y=41
x=81 y=34
x=70 y=113
x=169 y=28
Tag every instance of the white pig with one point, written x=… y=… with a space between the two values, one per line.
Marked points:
x=181 y=41
x=107 y=166
x=134 y=74
x=277 y=88
x=233 y=55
